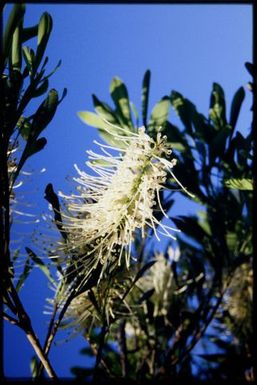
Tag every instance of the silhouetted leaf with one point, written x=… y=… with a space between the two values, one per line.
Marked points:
x=29 y=33
x=250 y=68
x=53 y=199
x=145 y=96
x=142 y=271
x=146 y=296
x=236 y=106
x=44 y=113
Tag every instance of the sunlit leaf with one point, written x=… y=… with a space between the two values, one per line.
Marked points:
x=14 y=19
x=239 y=184
x=120 y=97
x=44 y=31
x=159 y=114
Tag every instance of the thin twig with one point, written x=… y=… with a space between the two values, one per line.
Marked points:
x=123 y=348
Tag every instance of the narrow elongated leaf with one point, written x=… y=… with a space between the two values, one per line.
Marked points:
x=45 y=113
x=145 y=96
x=239 y=184
x=183 y=108
x=16 y=48
x=142 y=271
x=37 y=146
x=29 y=57
x=34 y=367
x=159 y=114
x=146 y=296
x=44 y=31
x=250 y=68
x=29 y=33
x=104 y=111
x=236 y=106
x=43 y=267
x=26 y=271
x=41 y=89
x=104 y=128
x=53 y=199
x=120 y=97
x=14 y=19
x=217 y=111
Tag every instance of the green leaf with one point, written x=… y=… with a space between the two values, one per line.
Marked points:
x=183 y=108
x=29 y=33
x=14 y=20
x=16 y=48
x=135 y=112
x=41 y=89
x=34 y=367
x=24 y=127
x=142 y=271
x=44 y=30
x=236 y=106
x=45 y=113
x=218 y=144
x=43 y=267
x=26 y=271
x=217 y=111
x=159 y=114
x=29 y=57
x=120 y=97
x=239 y=184
x=145 y=96
x=104 y=111
x=37 y=146
x=105 y=129
x=175 y=137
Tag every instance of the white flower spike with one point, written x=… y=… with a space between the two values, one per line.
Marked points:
x=119 y=199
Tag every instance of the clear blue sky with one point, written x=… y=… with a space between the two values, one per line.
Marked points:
x=186 y=47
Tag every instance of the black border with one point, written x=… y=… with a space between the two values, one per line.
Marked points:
x=253 y=3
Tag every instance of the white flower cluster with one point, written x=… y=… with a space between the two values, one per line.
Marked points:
x=121 y=198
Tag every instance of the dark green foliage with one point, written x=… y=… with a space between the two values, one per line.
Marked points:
x=214 y=163
x=23 y=78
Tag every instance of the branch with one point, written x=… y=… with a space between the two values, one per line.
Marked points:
x=10 y=319
x=25 y=324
